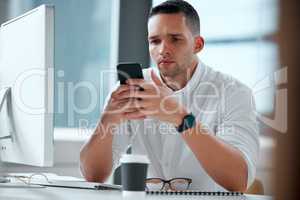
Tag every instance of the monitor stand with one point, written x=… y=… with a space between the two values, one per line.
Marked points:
x=4 y=180
x=5 y=94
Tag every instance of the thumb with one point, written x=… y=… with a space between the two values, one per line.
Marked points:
x=155 y=79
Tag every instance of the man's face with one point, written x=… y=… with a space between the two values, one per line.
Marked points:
x=171 y=44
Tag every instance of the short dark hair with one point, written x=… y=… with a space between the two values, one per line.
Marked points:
x=179 y=6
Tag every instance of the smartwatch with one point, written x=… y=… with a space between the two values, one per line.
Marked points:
x=188 y=122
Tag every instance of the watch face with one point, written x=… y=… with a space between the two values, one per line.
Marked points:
x=190 y=121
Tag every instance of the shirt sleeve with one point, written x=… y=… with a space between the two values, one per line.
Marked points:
x=121 y=136
x=239 y=126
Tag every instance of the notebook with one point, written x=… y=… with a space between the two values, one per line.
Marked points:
x=195 y=193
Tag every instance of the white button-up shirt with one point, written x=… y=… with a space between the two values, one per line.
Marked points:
x=224 y=105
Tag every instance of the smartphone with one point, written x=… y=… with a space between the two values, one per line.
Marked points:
x=129 y=70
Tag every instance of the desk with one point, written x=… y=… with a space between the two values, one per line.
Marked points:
x=52 y=193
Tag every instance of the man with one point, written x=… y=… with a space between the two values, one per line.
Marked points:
x=191 y=121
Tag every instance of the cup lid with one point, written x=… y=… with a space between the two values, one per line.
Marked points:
x=134 y=158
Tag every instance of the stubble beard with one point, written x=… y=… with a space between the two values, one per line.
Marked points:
x=171 y=74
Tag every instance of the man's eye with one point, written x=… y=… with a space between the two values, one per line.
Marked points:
x=175 y=39
x=154 y=41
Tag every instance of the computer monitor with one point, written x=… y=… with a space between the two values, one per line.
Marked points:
x=27 y=88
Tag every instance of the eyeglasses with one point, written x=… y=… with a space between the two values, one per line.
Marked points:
x=177 y=184
x=26 y=181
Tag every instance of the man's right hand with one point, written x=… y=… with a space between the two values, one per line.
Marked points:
x=116 y=110
x=100 y=144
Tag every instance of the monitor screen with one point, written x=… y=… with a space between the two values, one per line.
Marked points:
x=27 y=88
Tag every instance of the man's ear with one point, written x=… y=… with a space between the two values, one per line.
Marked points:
x=199 y=44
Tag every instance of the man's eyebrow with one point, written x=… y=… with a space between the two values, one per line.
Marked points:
x=175 y=34
x=153 y=37
x=169 y=34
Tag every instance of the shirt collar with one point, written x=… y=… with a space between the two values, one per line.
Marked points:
x=199 y=73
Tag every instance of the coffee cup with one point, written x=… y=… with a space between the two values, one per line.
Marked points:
x=133 y=174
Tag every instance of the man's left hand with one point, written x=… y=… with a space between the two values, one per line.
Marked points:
x=155 y=100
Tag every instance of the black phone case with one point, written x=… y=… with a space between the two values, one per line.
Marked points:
x=129 y=70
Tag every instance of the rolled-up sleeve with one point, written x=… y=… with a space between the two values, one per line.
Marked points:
x=239 y=126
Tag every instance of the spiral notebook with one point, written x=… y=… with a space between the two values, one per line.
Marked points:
x=195 y=193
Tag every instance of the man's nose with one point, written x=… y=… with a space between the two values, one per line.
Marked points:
x=164 y=49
